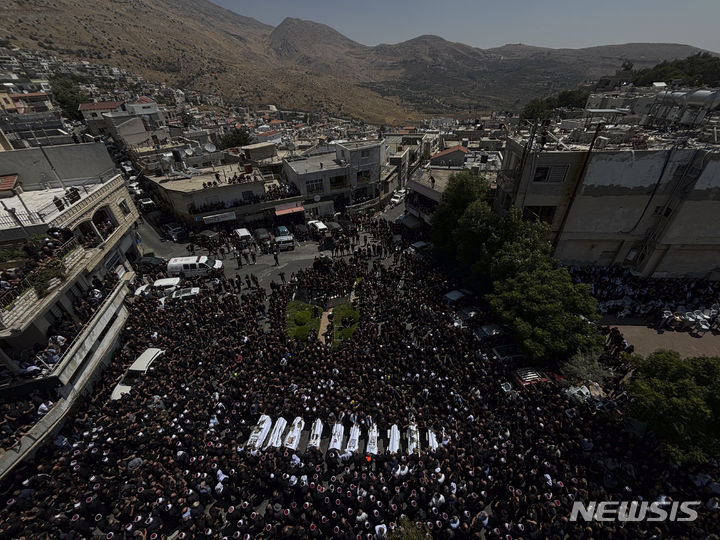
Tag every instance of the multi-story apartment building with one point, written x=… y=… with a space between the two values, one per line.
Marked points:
x=73 y=216
x=350 y=175
x=620 y=195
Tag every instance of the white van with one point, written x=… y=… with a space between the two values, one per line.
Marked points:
x=318 y=228
x=244 y=236
x=138 y=367
x=161 y=287
x=285 y=243
x=192 y=266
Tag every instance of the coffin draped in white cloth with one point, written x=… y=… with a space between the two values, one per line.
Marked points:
x=413 y=437
x=315 y=434
x=372 y=445
x=354 y=440
x=292 y=439
x=259 y=433
x=338 y=431
x=432 y=440
x=276 y=434
x=394 y=436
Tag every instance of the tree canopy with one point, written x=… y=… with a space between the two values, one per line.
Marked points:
x=68 y=95
x=680 y=401
x=542 y=108
x=697 y=70
x=462 y=190
x=234 y=138
x=547 y=313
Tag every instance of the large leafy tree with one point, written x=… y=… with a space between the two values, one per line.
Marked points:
x=235 y=138
x=495 y=246
x=680 y=401
x=548 y=314
x=68 y=95
x=462 y=190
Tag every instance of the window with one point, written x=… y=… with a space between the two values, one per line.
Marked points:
x=364 y=153
x=124 y=208
x=542 y=213
x=363 y=176
x=314 y=187
x=337 y=182
x=553 y=175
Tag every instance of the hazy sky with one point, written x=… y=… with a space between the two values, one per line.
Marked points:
x=483 y=23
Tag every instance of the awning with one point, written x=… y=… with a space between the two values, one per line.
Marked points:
x=217 y=218
x=289 y=208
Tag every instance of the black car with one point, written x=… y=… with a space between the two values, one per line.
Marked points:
x=151 y=264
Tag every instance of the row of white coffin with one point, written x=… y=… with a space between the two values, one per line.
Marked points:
x=266 y=435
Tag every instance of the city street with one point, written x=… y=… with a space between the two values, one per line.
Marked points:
x=265 y=270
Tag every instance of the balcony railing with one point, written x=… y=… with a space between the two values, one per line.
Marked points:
x=30 y=281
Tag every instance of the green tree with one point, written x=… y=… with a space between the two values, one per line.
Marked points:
x=235 y=138
x=697 y=70
x=492 y=246
x=462 y=190
x=680 y=401
x=547 y=313
x=68 y=95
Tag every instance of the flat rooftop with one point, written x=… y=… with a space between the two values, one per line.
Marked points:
x=440 y=175
x=354 y=145
x=317 y=163
x=41 y=205
x=195 y=182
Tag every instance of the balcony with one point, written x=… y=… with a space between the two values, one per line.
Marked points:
x=24 y=301
x=79 y=364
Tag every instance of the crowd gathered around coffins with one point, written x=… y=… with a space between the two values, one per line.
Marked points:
x=179 y=455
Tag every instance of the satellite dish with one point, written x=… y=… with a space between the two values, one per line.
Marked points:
x=188 y=152
x=316 y=198
x=210 y=147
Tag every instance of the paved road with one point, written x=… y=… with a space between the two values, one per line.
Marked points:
x=265 y=270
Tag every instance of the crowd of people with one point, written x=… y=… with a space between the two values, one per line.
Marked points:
x=621 y=293
x=35 y=254
x=273 y=192
x=171 y=457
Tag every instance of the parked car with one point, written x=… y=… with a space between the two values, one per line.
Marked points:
x=397 y=198
x=139 y=367
x=333 y=228
x=262 y=236
x=285 y=243
x=301 y=232
x=150 y=264
x=317 y=228
x=181 y=294
x=282 y=230
x=244 y=235
x=175 y=232
x=146 y=205
x=134 y=188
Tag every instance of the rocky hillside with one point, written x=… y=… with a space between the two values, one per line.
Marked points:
x=306 y=65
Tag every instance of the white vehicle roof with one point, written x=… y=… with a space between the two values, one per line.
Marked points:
x=318 y=224
x=145 y=359
x=189 y=260
x=280 y=239
x=119 y=390
x=242 y=232
x=167 y=282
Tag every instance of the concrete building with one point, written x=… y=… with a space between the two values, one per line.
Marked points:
x=450 y=157
x=93 y=114
x=646 y=200
x=424 y=191
x=76 y=191
x=224 y=193
x=351 y=175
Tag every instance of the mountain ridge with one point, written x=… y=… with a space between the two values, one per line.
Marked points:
x=308 y=65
